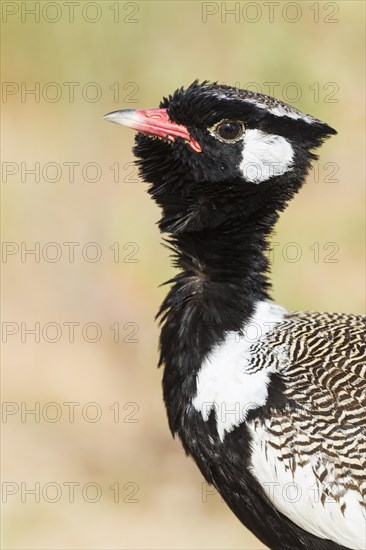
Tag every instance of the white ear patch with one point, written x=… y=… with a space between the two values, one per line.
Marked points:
x=265 y=156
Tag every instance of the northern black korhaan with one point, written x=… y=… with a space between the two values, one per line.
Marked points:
x=270 y=404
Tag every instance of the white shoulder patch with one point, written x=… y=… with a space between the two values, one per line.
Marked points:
x=225 y=383
x=298 y=495
x=264 y=156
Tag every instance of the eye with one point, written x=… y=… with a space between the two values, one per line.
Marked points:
x=229 y=130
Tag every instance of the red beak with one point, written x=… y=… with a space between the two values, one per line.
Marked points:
x=153 y=122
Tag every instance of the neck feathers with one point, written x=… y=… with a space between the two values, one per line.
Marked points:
x=221 y=255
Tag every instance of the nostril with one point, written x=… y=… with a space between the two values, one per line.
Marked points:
x=151 y=114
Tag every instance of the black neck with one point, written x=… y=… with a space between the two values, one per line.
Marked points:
x=223 y=276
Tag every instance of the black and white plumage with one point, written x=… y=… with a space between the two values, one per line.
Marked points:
x=270 y=404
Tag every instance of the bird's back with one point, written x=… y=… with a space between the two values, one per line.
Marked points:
x=311 y=454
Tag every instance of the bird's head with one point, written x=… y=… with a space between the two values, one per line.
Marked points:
x=213 y=152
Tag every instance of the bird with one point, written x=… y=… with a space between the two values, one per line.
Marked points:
x=270 y=403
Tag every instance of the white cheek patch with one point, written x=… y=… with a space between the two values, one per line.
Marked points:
x=265 y=156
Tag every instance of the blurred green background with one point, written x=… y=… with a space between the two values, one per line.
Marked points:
x=133 y=487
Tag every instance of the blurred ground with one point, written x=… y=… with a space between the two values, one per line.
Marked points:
x=97 y=453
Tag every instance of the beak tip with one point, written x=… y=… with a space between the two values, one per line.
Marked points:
x=119 y=117
x=110 y=116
